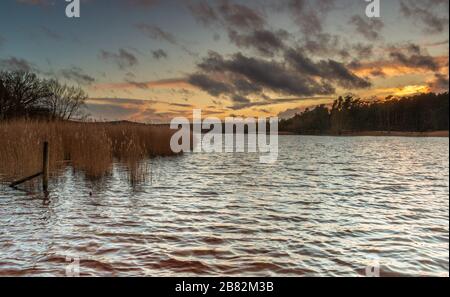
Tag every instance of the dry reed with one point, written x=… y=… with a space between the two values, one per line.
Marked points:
x=90 y=148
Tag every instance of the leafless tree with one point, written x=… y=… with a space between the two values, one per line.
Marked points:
x=24 y=94
x=65 y=102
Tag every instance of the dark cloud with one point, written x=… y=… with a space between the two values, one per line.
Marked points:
x=297 y=75
x=262 y=74
x=181 y=105
x=305 y=17
x=76 y=74
x=413 y=49
x=137 y=84
x=246 y=87
x=440 y=83
x=425 y=13
x=264 y=41
x=156 y=33
x=159 y=54
x=240 y=99
x=123 y=59
x=244 y=24
x=354 y=65
x=377 y=72
x=248 y=28
x=400 y=55
x=16 y=64
x=324 y=45
x=213 y=62
x=367 y=27
x=203 y=12
x=330 y=70
x=240 y=16
x=362 y=51
x=213 y=87
x=412 y=56
x=309 y=15
x=337 y=72
x=274 y=76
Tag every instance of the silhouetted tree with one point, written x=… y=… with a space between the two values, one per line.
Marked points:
x=23 y=94
x=65 y=102
x=424 y=112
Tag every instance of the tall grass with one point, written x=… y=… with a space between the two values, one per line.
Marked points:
x=91 y=148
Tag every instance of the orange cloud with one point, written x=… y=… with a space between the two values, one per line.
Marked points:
x=393 y=68
x=407 y=90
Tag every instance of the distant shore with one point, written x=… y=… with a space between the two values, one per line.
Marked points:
x=399 y=133
x=382 y=133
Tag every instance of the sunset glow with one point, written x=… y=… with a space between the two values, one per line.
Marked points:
x=249 y=58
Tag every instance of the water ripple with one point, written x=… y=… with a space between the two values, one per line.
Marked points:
x=329 y=206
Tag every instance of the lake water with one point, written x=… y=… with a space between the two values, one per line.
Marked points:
x=329 y=207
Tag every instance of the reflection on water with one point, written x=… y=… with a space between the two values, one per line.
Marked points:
x=327 y=207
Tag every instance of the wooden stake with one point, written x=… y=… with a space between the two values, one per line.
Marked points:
x=15 y=184
x=44 y=173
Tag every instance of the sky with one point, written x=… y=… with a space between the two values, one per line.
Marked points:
x=153 y=60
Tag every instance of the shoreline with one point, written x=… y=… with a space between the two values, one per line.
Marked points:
x=379 y=133
x=400 y=133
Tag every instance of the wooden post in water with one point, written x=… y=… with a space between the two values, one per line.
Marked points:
x=45 y=167
x=21 y=181
x=44 y=173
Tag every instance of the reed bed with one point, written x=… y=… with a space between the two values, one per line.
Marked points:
x=90 y=148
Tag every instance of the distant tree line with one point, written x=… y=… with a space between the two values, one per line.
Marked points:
x=24 y=94
x=419 y=113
